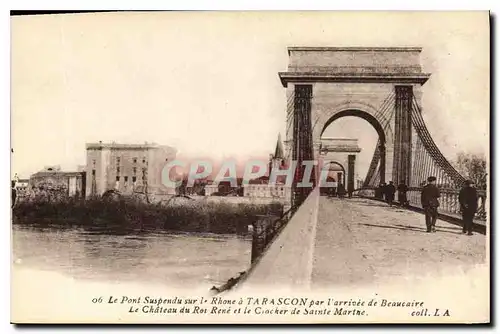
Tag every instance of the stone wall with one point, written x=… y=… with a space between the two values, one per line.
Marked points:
x=287 y=263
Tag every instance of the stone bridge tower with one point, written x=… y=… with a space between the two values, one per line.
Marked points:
x=324 y=84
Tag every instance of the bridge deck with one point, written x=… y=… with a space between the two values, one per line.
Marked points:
x=360 y=241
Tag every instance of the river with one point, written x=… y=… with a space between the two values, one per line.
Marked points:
x=171 y=259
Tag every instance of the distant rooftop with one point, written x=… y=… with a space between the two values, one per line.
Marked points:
x=55 y=172
x=118 y=146
x=356 y=48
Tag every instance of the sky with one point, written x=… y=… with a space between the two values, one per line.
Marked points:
x=207 y=82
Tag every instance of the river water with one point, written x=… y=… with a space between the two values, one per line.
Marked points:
x=173 y=259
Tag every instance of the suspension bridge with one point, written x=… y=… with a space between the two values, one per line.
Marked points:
x=333 y=241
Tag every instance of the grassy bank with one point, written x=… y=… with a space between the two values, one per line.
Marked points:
x=129 y=215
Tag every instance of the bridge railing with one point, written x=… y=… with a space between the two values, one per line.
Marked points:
x=449 y=203
x=265 y=229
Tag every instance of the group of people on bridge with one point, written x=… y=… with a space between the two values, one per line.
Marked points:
x=430 y=195
x=388 y=192
x=337 y=190
x=467 y=198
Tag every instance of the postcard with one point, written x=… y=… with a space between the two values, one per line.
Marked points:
x=250 y=167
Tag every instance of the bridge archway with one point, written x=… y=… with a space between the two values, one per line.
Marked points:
x=379 y=84
x=384 y=133
x=329 y=164
x=356 y=113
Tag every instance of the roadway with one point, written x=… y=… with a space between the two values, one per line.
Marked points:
x=360 y=241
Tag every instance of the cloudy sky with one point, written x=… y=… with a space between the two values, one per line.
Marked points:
x=207 y=83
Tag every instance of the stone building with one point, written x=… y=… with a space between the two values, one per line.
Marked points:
x=127 y=168
x=211 y=189
x=261 y=188
x=55 y=181
x=22 y=184
x=21 y=187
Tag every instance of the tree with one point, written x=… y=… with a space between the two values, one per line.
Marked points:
x=473 y=167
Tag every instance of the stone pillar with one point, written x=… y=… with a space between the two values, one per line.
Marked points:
x=351 y=159
x=318 y=158
x=416 y=176
x=383 y=163
x=402 y=135
x=288 y=143
x=389 y=158
x=302 y=138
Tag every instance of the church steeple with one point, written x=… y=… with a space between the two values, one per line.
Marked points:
x=277 y=159
x=279 y=152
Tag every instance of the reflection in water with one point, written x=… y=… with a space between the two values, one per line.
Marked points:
x=176 y=260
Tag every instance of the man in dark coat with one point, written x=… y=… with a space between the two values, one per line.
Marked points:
x=390 y=190
x=430 y=203
x=402 y=190
x=13 y=193
x=468 y=205
x=378 y=191
x=383 y=191
x=341 y=190
x=350 y=190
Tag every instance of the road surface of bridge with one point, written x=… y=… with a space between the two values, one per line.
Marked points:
x=358 y=242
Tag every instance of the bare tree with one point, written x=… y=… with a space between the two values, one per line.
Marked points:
x=473 y=167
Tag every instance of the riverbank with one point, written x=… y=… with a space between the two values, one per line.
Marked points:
x=127 y=215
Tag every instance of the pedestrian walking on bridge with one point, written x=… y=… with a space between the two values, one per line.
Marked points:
x=383 y=191
x=468 y=205
x=341 y=190
x=379 y=191
x=402 y=198
x=333 y=189
x=390 y=190
x=13 y=193
x=430 y=203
